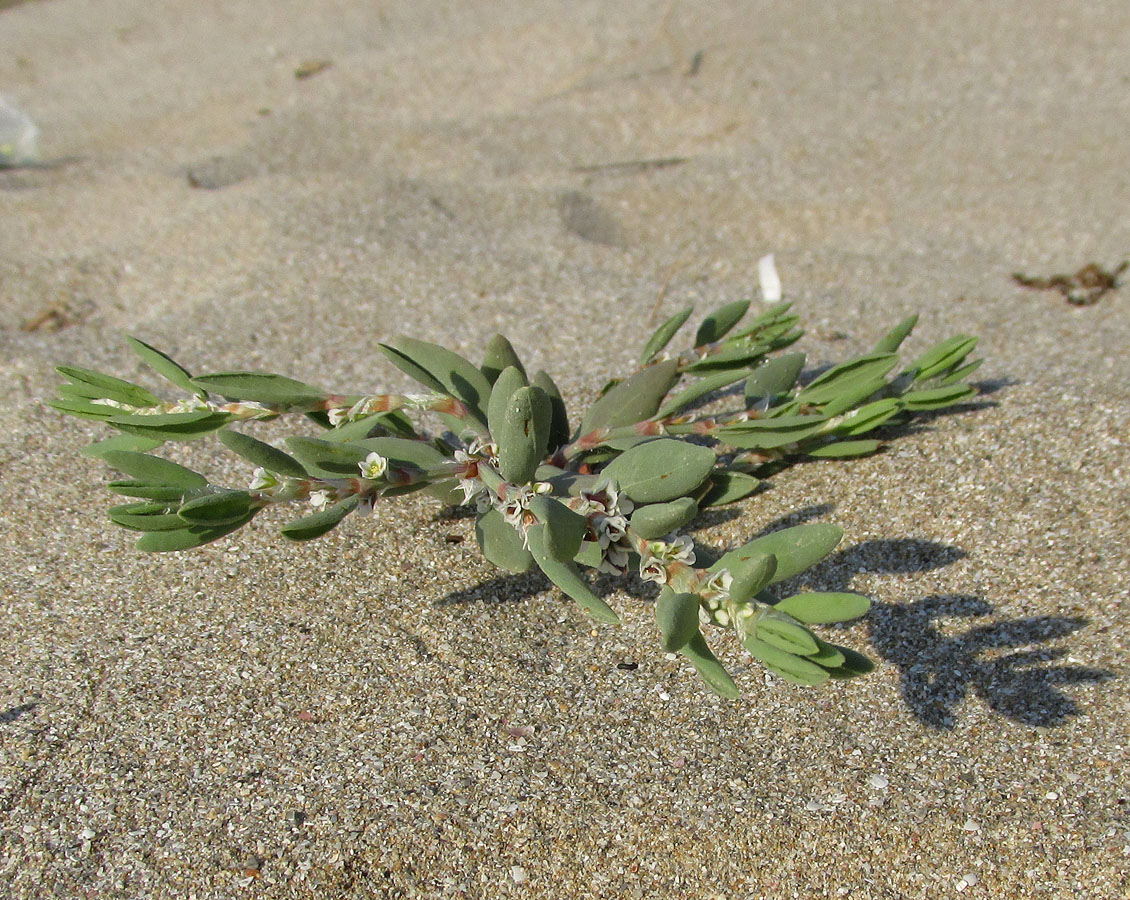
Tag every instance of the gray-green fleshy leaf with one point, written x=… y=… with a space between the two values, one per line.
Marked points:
x=523 y=436
x=633 y=400
x=83 y=409
x=861 y=370
x=942 y=356
x=187 y=538
x=567 y=576
x=663 y=334
x=95 y=385
x=500 y=542
x=698 y=390
x=149 y=491
x=824 y=607
x=559 y=430
x=730 y=356
x=508 y=381
x=869 y=417
x=404 y=453
x=728 y=487
x=261 y=387
x=750 y=575
x=779 y=630
x=960 y=373
x=328 y=459
x=893 y=339
x=145 y=516
x=796 y=549
x=590 y=555
x=129 y=442
x=217 y=508
x=845 y=449
x=262 y=454
x=936 y=398
x=455 y=376
x=165 y=366
x=315 y=525
x=154 y=470
x=661 y=470
x=787 y=665
x=770 y=433
x=720 y=322
x=852 y=395
x=564 y=529
x=676 y=614
x=171 y=426
x=653 y=520
x=500 y=354
x=698 y=653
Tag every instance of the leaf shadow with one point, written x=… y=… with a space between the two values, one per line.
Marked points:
x=940 y=664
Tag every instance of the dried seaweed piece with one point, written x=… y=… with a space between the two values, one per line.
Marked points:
x=1085 y=288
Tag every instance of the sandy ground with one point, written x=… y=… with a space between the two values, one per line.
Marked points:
x=379 y=713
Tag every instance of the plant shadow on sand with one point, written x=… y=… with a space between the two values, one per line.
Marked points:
x=940 y=661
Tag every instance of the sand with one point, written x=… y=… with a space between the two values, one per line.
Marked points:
x=380 y=713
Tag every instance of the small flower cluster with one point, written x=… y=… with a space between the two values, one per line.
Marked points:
x=658 y=557
x=607 y=511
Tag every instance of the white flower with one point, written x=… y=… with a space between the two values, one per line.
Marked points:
x=718 y=585
x=319 y=498
x=373 y=467
x=660 y=556
x=262 y=480
x=770 y=281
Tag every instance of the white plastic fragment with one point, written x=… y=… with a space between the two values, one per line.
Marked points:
x=770 y=281
x=19 y=138
x=879 y=782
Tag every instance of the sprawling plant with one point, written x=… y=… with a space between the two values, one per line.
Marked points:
x=614 y=492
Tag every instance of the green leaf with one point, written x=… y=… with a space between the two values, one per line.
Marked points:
x=654 y=520
x=509 y=380
x=147 y=516
x=863 y=369
x=454 y=375
x=405 y=453
x=108 y=387
x=217 y=508
x=728 y=487
x=165 y=366
x=936 y=398
x=262 y=454
x=844 y=449
x=328 y=459
x=720 y=322
x=500 y=542
x=869 y=417
x=84 y=409
x=149 y=491
x=314 y=526
x=699 y=389
x=376 y=425
x=677 y=618
x=960 y=373
x=154 y=470
x=410 y=368
x=942 y=356
x=698 y=653
x=633 y=400
x=852 y=394
x=751 y=575
x=523 y=434
x=500 y=354
x=769 y=433
x=787 y=665
x=822 y=608
x=730 y=356
x=663 y=334
x=661 y=470
x=567 y=576
x=559 y=430
x=796 y=549
x=171 y=426
x=777 y=629
x=893 y=339
x=188 y=538
x=564 y=529
x=131 y=442
x=261 y=387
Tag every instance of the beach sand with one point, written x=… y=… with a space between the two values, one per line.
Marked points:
x=382 y=714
